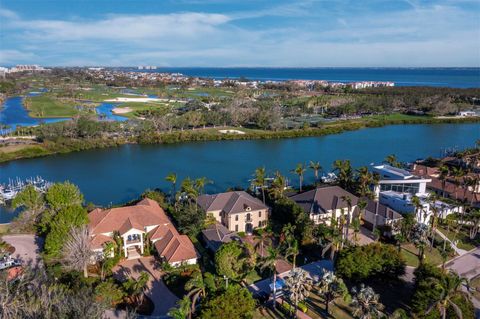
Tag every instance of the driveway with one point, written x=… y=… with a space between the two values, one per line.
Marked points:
x=27 y=248
x=162 y=298
x=467 y=265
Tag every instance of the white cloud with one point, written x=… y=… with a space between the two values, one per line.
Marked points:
x=13 y=56
x=436 y=35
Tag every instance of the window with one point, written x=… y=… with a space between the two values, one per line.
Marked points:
x=260 y=214
x=249 y=217
x=236 y=218
x=236 y=228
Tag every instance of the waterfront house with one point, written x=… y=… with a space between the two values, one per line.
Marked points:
x=323 y=203
x=138 y=226
x=238 y=211
x=398 y=180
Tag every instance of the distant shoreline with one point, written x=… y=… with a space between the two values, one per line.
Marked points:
x=213 y=134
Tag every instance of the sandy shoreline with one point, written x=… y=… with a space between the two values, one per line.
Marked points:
x=121 y=110
x=134 y=99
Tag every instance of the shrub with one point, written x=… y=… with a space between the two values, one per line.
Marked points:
x=375 y=260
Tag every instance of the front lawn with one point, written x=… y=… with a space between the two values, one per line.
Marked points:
x=475 y=287
x=410 y=253
x=462 y=239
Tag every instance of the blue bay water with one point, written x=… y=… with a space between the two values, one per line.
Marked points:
x=117 y=175
x=438 y=77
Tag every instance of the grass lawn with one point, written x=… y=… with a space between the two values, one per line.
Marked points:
x=339 y=309
x=43 y=106
x=4 y=228
x=252 y=277
x=464 y=241
x=11 y=152
x=410 y=253
x=396 y=117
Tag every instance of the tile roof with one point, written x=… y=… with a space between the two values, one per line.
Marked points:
x=217 y=234
x=98 y=241
x=168 y=242
x=230 y=202
x=145 y=213
x=323 y=199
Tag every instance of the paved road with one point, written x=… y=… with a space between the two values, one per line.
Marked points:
x=467 y=265
x=27 y=248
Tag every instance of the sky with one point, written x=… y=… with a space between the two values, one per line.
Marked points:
x=222 y=33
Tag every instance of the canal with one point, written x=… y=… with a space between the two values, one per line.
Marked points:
x=116 y=175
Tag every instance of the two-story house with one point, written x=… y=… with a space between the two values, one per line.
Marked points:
x=137 y=224
x=323 y=203
x=238 y=211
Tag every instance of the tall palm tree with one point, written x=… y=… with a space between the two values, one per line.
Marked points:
x=259 y=180
x=292 y=251
x=297 y=287
x=433 y=223
x=270 y=262
x=196 y=290
x=420 y=239
x=172 y=178
x=300 y=170
x=448 y=287
x=331 y=287
x=458 y=173
x=365 y=180
x=278 y=185
x=263 y=240
x=362 y=205
x=344 y=172
x=347 y=199
x=200 y=184
x=316 y=167
x=182 y=309
x=444 y=172
x=366 y=303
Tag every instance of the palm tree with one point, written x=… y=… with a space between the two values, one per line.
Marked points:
x=392 y=160
x=366 y=303
x=196 y=290
x=419 y=209
x=444 y=172
x=362 y=204
x=356 y=229
x=292 y=251
x=172 y=178
x=259 y=180
x=458 y=173
x=182 y=310
x=278 y=186
x=270 y=262
x=331 y=287
x=364 y=179
x=316 y=167
x=347 y=200
x=300 y=170
x=297 y=287
x=135 y=287
x=200 y=184
x=448 y=287
x=344 y=172
x=433 y=207
x=420 y=239
x=263 y=240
